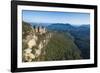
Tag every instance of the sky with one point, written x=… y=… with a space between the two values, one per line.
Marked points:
x=55 y=17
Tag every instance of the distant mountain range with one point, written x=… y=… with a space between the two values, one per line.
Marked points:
x=81 y=31
x=64 y=27
x=40 y=24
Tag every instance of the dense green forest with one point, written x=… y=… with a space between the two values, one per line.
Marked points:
x=62 y=47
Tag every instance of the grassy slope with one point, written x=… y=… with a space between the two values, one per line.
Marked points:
x=61 y=48
x=26 y=28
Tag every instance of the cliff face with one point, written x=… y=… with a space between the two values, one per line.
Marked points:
x=36 y=39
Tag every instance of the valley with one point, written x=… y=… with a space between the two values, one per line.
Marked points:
x=54 y=42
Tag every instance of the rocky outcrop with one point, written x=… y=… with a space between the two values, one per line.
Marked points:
x=36 y=43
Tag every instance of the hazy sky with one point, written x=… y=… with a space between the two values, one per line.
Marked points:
x=56 y=17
